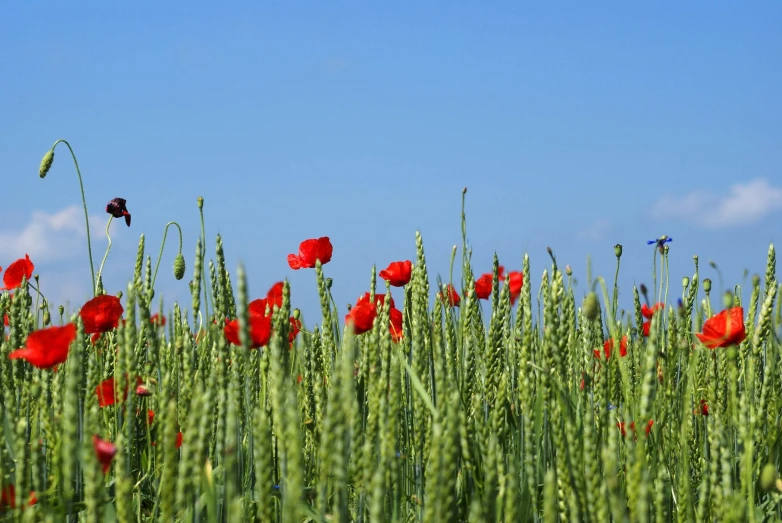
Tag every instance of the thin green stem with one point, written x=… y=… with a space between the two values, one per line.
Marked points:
x=84 y=203
x=108 y=248
x=162 y=244
x=616 y=291
x=207 y=304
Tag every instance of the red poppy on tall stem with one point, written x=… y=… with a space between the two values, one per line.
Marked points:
x=609 y=345
x=310 y=251
x=273 y=299
x=515 y=283
x=453 y=297
x=260 y=331
x=724 y=329
x=380 y=300
x=101 y=314
x=107 y=392
x=395 y=327
x=647 y=313
x=48 y=347
x=16 y=272
x=362 y=316
x=158 y=319
x=483 y=286
x=105 y=451
x=397 y=273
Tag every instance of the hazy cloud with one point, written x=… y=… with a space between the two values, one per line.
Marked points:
x=744 y=203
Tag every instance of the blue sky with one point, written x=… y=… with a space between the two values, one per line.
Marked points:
x=575 y=126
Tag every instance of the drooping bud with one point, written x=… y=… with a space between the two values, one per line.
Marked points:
x=46 y=163
x=591 y=306
x=618 y=250
x=179 y=266
x=707 y=285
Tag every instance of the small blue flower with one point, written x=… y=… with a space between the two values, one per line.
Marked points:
x=661 y=241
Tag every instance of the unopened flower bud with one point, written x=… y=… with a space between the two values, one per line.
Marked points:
x=46 y=163
x=61 y=310
x=329 y=281
x=591 y=306
x=296 y=314
x=141 y=390
x=119 y=295
x=200 y=202
x=179 y=266
x=618 y=250
x=707 y=285
x=47 y=319
x=464 y=191
x=568 y=270
x=768 y=477
x=643 y=290
x=727 y=299
x=686 y=282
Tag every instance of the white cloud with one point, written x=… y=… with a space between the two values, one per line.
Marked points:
x=745 y=203
x=596 y=231
x=49 y=237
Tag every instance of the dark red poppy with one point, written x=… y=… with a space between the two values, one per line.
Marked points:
x=395 y=320
x=453 y=297
x=5 y=320
x=724 y=329
x=16 y=272
x=260 y=331
x=101 y=314
x=142 y=390
x=105 y=451
x=158 y=319
x=397 y=273
x=608 y=346
x=704 y=410
x=178 y=442
x=8 y=497
x=515 y=283
x=48 y=347
x=311 y=251
x=107 y=392
x=117 y=208
x=362 y=316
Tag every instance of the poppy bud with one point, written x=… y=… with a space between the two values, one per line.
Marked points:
x=643 y=290
x=568 y=270
x=768 y=477
x=618 y=250
x=296 y=314
x=464 y=191
x=686 y=282
x=329 y=281
x=46 y=163
x=179 y=266
x=141 y=390
x=665 y=249
x=200 y=202
x=119 y=295
x=707 y=285
x=727 y=299
x=61 y=310
x=591 y=306
x=47 y=319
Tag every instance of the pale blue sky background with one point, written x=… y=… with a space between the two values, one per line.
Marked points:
x=576 y=126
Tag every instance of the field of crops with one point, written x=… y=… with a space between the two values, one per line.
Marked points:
x=495 y=396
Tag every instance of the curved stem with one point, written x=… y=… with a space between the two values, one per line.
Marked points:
x=108 y=248
x=84 y=203
x=163 y=244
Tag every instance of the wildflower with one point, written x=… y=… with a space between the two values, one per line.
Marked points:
x=101 y=314
x=724 y=329
x=105 y=451
x=273 y=299
x=116 y=208
x=107 y=393
x=310 y=251
x=661 y=241
x=48 y=347
x=295 y=329
x=397 y=273
x=395 y=324
x=515 y=282
x=704 y=409
x=142 y=390
x=8 y=497
x=158 y=319
x=362 y=316
x=260 y=331
x=483 y=286
x=647 y=313
x=608 y=346
x=19 y=270
x=380 y=300
x=453 y=297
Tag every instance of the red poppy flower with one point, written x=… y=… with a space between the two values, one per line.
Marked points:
x=158 y=319
x=362 y=316
x=453 y=297
x=515 y=283
x=704 y=410
x=483 y=286
x=621 y=426
x=16 y=272
x=107 y=392
x=142 y=390
x=8 y=497
x=117 y=208
x=260 y=331
x=48 y=347
x=724 y=329
x=178 y=442
x=101 y=314
x=647 y=313
x=311 y=251
x=397 y=273
x=395 y=320
x=608 y=346
x=105 y=451
x=294 y=329
x=380 y=300
x=273 y=299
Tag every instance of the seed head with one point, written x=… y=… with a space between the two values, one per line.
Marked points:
x=707 y=285
x=618 y=250
x=179 y=266
x=329 y=282
x=686 y=282
x=46 y=163
x=200 y=202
